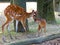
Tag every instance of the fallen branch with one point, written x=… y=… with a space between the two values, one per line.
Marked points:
x=36 y=40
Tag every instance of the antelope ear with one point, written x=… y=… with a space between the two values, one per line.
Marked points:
x=32 y=10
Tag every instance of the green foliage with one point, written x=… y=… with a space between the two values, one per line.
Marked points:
x=45 y=9
x=50 y=13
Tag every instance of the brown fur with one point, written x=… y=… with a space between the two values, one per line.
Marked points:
x=14 y=12
x=41 y=23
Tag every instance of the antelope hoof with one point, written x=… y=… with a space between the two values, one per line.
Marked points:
x=24 y=30
x=4 y=39
x=11 y=37
x=38 y=35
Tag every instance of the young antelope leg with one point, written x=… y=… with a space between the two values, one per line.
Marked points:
x=39 y=28
x=45 y=29
x=8 y=29
x=24 y=25
x=16 y=29
x=16 y=25
x=3 y=36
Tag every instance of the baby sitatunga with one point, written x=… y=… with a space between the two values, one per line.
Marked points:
x=41 y=23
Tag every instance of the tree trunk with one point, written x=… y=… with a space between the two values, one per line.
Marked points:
x=45 y=9
x=22 y=3
x=20 y=27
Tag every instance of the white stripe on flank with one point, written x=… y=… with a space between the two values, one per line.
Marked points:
x=16 y=25
x=18 y=15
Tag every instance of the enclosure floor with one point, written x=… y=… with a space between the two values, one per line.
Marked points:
x=50 y=29
x=51 y=42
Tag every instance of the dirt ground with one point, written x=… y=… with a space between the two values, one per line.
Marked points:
x=51 y=42
x=51 y=29
x=28 y=36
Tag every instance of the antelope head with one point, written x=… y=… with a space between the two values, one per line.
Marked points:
x=35 y=14
x=30 y=14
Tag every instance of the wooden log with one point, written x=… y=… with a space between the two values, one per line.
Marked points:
x=38 y=40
